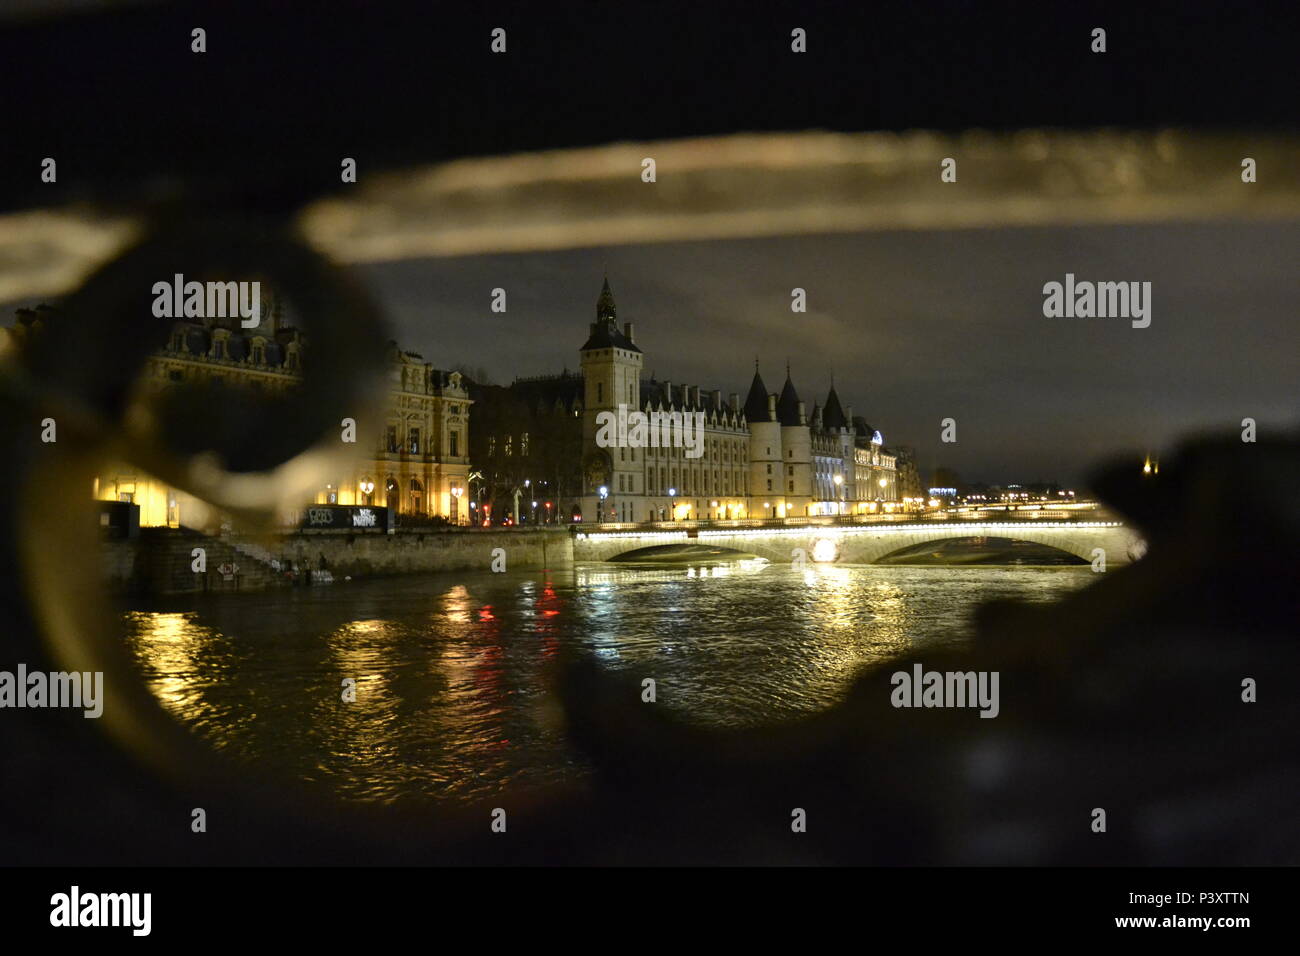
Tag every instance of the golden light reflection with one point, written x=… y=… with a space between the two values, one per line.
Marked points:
x=181 y=659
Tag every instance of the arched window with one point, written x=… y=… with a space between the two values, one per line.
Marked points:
x=417 y=497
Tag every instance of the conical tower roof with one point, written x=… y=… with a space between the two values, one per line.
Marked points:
x=833 y=414
x=787 y=406
x=756 y=401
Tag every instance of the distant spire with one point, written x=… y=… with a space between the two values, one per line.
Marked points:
x=605 y=308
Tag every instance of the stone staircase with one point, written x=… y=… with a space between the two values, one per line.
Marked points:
x=165 y=564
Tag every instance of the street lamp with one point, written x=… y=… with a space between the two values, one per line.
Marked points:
x=839 y=491
x=672 y=514
x=366 y=486
x=456 y=492
x=600 y=512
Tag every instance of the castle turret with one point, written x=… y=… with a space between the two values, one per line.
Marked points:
x=611 y=368
x=796 y=445
x=765 y=455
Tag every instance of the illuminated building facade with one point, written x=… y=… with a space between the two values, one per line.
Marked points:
x=418 y=466
x=766 y=457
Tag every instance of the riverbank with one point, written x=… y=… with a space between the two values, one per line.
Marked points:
x=164 y=560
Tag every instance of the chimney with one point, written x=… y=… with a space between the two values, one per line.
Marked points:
x=696 y=390
x=668 y=392
x=803 y=416
x=717 y=399
x=627 y=331
x=735 y=401
x=848 y=413
x=771 y=407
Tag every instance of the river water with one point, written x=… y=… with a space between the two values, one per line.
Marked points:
x=451 y=701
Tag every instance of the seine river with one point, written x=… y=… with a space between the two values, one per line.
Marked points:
x=451 y=702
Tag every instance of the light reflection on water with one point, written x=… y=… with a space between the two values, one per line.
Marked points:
x=451 y=701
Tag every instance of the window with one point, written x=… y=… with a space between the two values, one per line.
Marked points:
x=453 y=442
x=492 y=445
x=792 y=487
x=414 y=444
x=523 y=444
x=769 y=484
x=769 y=471
x=600 y=392
x=392 y=438
x=510 y=445
x=789 y=470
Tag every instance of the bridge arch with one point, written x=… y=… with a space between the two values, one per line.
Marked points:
x=867 y=544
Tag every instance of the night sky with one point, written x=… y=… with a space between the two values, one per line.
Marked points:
x=916 y=327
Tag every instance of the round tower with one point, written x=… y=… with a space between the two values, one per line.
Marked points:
x=766 y=499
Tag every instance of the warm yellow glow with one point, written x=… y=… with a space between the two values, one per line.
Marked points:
x=154 y=498
x=825 y=549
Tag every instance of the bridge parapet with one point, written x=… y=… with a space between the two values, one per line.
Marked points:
x=865 y=542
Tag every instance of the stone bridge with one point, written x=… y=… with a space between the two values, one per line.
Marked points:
x=864 y=543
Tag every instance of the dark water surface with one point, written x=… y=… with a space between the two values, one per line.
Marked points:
x=450 y=697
